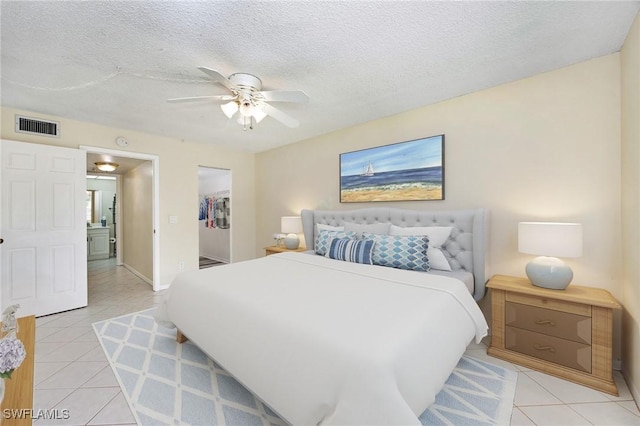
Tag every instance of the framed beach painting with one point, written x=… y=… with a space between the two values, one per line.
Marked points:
x=404 y=171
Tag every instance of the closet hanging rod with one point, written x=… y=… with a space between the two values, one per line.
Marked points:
x=214 y=194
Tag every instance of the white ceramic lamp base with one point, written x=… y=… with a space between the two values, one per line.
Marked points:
x=291 y=241
x=549 y=272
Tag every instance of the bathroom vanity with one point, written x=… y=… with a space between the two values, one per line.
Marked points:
x=97 y=242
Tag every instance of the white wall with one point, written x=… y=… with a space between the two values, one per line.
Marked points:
x=215 y=243
x=541 y=148
x=178 y=162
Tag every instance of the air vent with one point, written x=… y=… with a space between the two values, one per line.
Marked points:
x=37 y=127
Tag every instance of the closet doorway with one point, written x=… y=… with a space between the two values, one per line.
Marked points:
x=214 y=217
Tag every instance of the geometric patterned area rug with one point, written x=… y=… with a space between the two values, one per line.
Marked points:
x=476 y=393
x=166 y=383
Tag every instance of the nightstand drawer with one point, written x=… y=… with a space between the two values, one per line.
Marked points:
x=549 y=303
x=547 y=321
x=559 y=351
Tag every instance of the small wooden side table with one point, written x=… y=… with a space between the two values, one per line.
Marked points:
x=18 y=392
x=566 y=333
x=275 y=249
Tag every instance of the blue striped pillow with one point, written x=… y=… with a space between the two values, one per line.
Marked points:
x=324 y=239
x=357 y=251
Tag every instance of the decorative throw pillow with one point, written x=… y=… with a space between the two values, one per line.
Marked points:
x=349 y=250
x=324 y=238
x=438 y=235
x=402 y=252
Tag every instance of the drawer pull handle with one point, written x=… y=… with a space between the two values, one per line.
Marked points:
x=545 y=322
x=544 y=348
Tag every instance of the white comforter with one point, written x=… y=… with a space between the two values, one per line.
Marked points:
x=329 y=342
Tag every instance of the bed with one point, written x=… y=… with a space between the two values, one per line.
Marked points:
x=325 y=341
x=466 y=249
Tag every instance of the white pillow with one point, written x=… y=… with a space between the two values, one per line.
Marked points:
x=321 y=227
x=437 y=236
x=372 y=228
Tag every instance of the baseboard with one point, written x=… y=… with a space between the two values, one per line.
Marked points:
x=635 y=392
x=138 y=274
x=219 y=259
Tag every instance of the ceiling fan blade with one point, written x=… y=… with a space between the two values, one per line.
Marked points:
x=279 y=115
x=218 y=78
x=222 y=98
x=284 y=96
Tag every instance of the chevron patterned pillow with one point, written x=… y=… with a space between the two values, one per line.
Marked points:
x=402 y=252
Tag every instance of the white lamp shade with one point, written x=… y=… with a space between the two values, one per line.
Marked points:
x=550 y=239
x=291 y=225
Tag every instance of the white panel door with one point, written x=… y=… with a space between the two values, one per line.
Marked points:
x=43 y=225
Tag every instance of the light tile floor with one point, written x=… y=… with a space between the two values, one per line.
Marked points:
x=542 y=399
x=72 y=372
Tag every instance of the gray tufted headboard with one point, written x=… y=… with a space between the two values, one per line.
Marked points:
x=466 y=249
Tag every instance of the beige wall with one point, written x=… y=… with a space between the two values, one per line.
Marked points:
x=178 y=161
x=137 y=220
x=542 y=148
x=630 y=71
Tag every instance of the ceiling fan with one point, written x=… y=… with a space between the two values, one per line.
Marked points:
x=249 y=99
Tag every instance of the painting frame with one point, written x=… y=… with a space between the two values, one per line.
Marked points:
x=411 y=170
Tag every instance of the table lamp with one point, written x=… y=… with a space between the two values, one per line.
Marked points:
x=292 y=226
x=550 y=240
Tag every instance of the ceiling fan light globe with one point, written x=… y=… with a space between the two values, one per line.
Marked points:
x=258 y=114
x=229 y=108
x=246 y=109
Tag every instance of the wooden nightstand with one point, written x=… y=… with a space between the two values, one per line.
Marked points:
x=275 y=249
x=565 y=333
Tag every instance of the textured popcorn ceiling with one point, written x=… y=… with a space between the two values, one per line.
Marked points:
x=115 y=63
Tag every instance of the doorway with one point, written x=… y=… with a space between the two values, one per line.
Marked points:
x=214 y=216
x=135 y=211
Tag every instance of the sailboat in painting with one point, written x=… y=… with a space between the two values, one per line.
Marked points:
x=368 y=170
